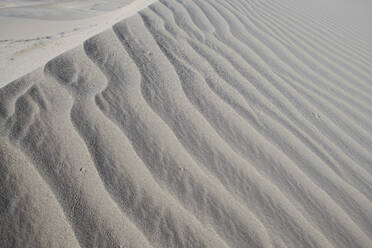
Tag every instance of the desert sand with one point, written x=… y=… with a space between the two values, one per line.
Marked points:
x=189 y=123
x=34 y=32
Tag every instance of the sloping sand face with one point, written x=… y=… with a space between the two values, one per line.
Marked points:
x=196 y=123
x=39 y=31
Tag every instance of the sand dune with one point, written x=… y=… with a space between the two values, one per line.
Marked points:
x=196 y=123
x=34 y=32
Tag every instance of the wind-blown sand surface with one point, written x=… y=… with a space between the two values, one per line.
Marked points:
x=34 y=32
x=196 y=123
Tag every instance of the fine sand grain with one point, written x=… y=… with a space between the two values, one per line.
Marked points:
x=196 y=123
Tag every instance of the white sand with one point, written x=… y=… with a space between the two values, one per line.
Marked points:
x=36 y=33
x=193 y=123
